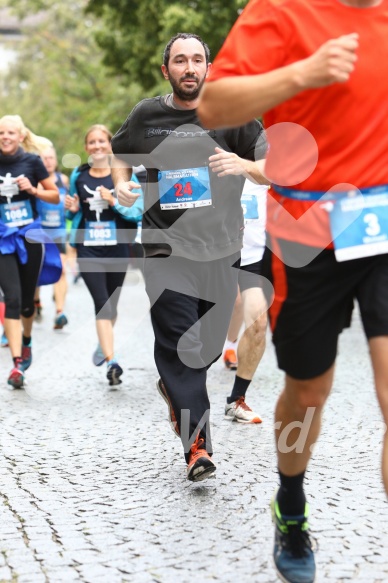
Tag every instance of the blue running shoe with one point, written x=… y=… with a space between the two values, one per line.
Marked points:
x=98 y=356
x=293 y=553
x=26 y=357
x=114 y=373
x=4 y=341
x=60 y=321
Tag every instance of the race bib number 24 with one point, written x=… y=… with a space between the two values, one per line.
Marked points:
x=184 y=188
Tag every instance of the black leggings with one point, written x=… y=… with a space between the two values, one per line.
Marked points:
x=18 y=282
x=104 y=287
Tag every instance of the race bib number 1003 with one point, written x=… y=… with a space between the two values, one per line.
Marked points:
x=100 y=233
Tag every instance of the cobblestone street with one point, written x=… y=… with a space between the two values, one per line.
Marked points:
x=93 y=481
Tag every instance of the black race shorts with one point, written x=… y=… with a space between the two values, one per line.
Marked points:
x=250 y=276
x=312 y=304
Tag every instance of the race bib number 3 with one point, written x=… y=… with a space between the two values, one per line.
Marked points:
x=100 y=233
x=184 y=188
x=16 y=214
x=359 y=226
x=249 y=206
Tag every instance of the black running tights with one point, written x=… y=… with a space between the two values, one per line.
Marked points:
x=18 y=282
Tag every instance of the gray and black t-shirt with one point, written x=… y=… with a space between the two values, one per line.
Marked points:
x=188 y=208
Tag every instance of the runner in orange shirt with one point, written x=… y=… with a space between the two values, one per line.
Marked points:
x=321 y=65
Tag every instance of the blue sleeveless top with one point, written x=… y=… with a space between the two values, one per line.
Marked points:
x=53 y=215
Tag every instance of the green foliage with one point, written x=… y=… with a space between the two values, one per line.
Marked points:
x=91 y=61
x=59 y=85
x=136 y=32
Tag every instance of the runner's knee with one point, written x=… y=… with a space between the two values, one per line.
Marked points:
x=12 y=307
x=105 y=311
x=28 y=310
x=257 y=329
x=308 y=393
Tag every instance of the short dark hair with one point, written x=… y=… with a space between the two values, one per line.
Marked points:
x=183 y=35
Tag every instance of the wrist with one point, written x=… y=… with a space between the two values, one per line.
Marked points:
x=299 y=76
x=246 y=166
x=119 y=183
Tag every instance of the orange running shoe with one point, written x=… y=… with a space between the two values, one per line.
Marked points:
x=200 y=466
x=171 y=415
x=230 y=359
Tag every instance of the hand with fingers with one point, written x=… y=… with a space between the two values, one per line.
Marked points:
x=125 y=192
x=225 y=163
x=24 y=184
x=333 y=62
x=107 y=195
x=72 y=203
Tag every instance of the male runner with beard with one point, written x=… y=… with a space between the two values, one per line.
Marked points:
x=192 y=233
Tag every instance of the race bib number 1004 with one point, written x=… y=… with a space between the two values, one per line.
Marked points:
x=184 y=188
x=16 y=214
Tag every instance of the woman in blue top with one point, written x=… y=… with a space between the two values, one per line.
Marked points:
x=21 y=259
x=54 y=222
x=102 y=230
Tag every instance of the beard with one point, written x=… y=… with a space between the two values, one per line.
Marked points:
x=190 y=94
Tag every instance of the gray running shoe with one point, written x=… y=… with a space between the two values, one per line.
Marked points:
x=98 y=356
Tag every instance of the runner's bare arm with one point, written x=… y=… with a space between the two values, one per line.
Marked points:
x=121 y=172
x=47 y=191
x=225 y=163
x=234 y=101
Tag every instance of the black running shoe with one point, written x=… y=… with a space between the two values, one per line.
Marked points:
x=114 y=373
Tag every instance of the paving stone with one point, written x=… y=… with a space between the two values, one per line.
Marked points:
x=93 y=481
x=5 y=573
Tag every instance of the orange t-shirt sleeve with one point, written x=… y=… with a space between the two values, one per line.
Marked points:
x=256 y=44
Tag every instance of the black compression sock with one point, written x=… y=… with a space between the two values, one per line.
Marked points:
x=291 y=497
x=239 y=389
x=26 y=340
